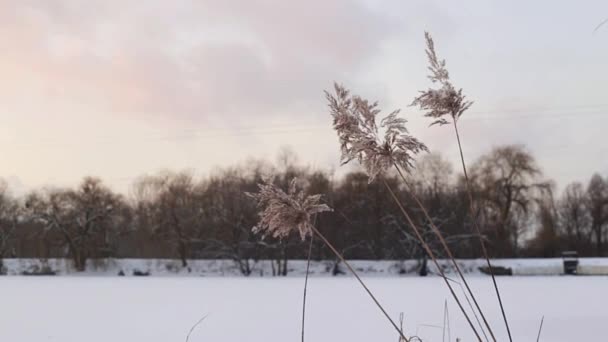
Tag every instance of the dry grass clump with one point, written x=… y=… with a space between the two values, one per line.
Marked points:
x=354 y=120
x=379 y=147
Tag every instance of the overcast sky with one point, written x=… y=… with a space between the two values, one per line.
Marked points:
x=117 y=89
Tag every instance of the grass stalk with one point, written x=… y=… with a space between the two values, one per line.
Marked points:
x=429 y=251
x=540 y=329
x=352 y=270
x=446 y=248
x=478 y=231
x=306 y=286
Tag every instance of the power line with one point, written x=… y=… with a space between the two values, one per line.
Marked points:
x=311 y=127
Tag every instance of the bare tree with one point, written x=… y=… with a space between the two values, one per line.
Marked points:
x=82 y=218
x=597 y=197
x=230 y=215
x=574 y=218
x=546 y=242
x=170 y=204
x=507 y=179
x=9 y=218
x=433 y=174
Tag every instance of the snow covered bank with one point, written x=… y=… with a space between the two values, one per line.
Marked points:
x=265 y=268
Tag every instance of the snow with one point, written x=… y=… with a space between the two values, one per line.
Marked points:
x=160 y=309
x=196 y=268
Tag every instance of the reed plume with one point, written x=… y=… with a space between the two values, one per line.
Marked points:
x=283 y=213
x=354 y=120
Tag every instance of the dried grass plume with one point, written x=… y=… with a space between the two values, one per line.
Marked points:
x=445 y=100
x=282 y=213
x=354 y=120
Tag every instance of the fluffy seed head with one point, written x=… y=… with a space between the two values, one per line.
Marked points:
x=444 y=100
x=354 y=120
x=282 y=213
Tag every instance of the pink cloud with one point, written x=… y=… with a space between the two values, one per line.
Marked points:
x=126 y=59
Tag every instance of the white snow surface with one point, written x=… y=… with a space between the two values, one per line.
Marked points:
x=160 y=309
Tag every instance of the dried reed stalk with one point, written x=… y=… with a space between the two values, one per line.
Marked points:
x=282 y=213
x=306 y=286
x=540 y=329
x=448 y=251
x=443 y=104
x=306 y=280
x=429 y=251
x=354 y=120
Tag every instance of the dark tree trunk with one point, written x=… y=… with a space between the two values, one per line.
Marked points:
x=183 y=254
x=598 y=241
x=423 y=272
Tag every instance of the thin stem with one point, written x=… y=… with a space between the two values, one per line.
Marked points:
x=352 y=270
x=540 y=329
x=401 y=319
x=433 y=258
x=446 y=248
x=478 y=231
x=306 y=286
x=194 y=327
x=471 y=306
x=446 y=321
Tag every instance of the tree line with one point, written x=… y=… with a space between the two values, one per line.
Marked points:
x=177 y=215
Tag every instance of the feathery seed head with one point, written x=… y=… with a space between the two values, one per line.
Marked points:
x=282 y=213
x=354 y=120
x=442 y=101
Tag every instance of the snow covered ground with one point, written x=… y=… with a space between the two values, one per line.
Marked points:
x=161 y=309
x=197 y=268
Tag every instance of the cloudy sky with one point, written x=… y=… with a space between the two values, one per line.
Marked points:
x=117 y=89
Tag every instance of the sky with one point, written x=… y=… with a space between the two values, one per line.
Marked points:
x=118 y=89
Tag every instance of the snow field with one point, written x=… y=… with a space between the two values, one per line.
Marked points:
x=160 y=309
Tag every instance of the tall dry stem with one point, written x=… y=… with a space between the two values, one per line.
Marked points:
x=352 y=270
x=306 y=286
x=540 y=329
x=478 y=232
x=448 y=251
x=442 y=104
x=429 y=251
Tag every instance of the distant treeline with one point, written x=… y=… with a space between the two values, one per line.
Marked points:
x=176 y=215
